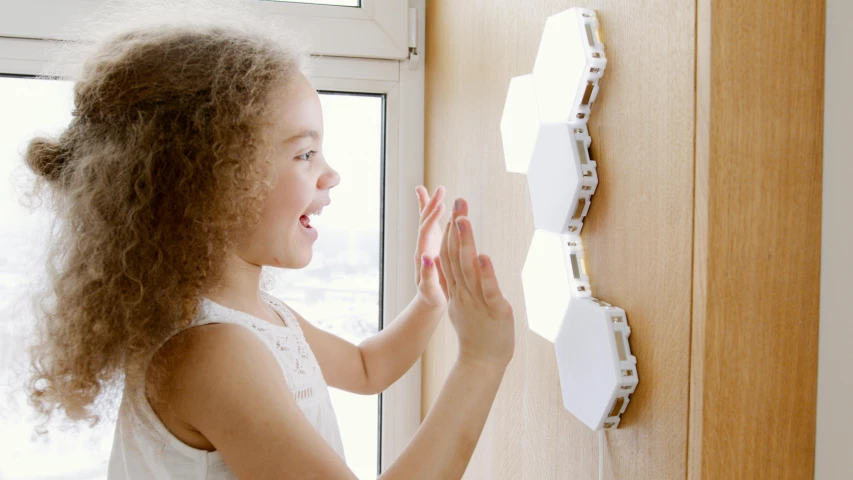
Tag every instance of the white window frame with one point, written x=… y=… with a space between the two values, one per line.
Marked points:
x=404 y=169
x=376 y=29
x=25 y=49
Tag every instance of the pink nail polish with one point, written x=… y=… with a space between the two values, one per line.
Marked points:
x=427 y=261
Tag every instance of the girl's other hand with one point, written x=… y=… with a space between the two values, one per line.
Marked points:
x=481 y=315
x=427 y=275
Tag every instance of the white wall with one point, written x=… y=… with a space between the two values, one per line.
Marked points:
x=834 y=449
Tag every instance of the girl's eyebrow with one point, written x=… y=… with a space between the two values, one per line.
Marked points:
x=304 y=133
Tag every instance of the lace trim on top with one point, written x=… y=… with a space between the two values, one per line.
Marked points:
x=287 y=342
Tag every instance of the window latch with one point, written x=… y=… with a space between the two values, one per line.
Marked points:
x=414 y=58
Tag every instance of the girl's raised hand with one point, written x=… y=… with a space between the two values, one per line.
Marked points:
x=481 y=315
x=427 y=274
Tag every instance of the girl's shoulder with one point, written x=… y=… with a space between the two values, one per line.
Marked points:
x=212 y=312
x=217 y=360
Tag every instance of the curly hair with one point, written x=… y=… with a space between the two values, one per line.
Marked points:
x=162 y=169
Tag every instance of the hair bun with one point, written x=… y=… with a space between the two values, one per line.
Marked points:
x=46 y=157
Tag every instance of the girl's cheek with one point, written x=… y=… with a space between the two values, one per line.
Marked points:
x=284 y=200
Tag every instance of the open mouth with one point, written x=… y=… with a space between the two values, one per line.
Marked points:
x=305 y=221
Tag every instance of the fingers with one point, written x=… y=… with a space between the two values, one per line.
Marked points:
x=460 y=208
x=434 y=215
x=489 y=284
x=423 y=239
x=441 y=280
x=427 y=205
x=467 y=256
x=427 y=271
x=444 y=260
x=430 y=211
x=451 y=243
x=458 y=264
x=423 y=196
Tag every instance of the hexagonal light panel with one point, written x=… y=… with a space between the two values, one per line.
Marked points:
x=544 y=134
x=519 y=124
x=597 y=370
x=568 y=66
x=553 y=268
x=561 y=178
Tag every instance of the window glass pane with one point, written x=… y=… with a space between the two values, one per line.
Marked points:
x=30 y=107
x=339 y=290
x=339 y=3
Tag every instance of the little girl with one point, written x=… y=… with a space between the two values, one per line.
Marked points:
x=194 y=158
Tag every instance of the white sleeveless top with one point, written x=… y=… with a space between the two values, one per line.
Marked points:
x=144 y=448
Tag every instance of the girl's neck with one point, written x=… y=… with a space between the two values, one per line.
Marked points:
x=239 y=287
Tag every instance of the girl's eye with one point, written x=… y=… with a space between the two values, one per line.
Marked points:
x=307 y=155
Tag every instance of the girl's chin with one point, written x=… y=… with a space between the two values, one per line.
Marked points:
x=293 y=260
x=301 y=264
x=309 y=232
x=304 y=250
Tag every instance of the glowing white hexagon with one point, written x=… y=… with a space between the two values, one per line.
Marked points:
x=554 y=178
x=588 y=362
x=553 y=271
x=569 y=63
x=545 y=280
x=519 y=124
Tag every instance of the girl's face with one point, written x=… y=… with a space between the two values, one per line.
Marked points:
x=285 y=237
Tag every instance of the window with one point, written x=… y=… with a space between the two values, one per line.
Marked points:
x=31 y=106
x=366 y=28
x=360 y=67
x=339 y=291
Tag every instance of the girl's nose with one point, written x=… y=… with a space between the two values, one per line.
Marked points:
x=330 y=180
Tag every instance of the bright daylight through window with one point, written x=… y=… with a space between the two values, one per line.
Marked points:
x=338 y=291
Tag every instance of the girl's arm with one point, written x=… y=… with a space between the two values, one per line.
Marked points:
x=228 y=387
x=445 y=441
x=379 y=361
x=382 y=359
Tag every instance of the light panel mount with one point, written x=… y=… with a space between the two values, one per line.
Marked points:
x=545 y=136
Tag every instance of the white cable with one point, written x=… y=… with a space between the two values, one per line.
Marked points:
x=601 y=454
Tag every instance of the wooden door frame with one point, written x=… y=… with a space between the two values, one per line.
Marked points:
x=757 y=237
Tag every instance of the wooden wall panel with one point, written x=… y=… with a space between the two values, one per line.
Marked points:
x=638 y=233
x=758 y=211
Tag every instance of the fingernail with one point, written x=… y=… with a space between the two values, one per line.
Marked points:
x=457 y=205
x=427 y=261
x=459 y=226
x=482 y=262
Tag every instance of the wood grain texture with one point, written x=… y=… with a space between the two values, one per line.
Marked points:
x=757 y=255
x=638 y=233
